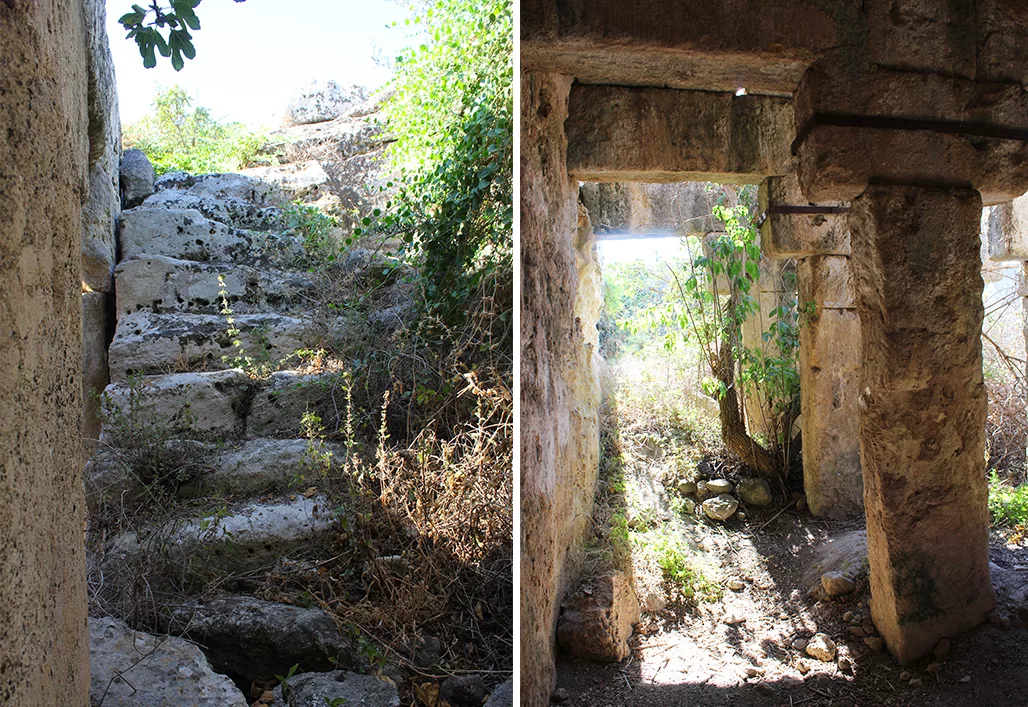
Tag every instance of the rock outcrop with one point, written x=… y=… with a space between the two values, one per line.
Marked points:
x=136 y=669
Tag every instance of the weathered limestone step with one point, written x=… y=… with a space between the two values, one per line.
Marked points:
x=281 y=402
x=188 y=235
x=254 y=468
x=257 y=640
x=240 y=541
x=160 y=670
x=161 y=284
x=233 y=199
x=197 y=405
x=151 y=343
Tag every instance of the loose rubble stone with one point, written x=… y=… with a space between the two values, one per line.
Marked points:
x=733 y=617
x=837 y=584
x=686 y=487
x=942 y=649
x=735 y=584
x=688 y=506
x=596 y=621
x=848 y=617
x=917 y=682
x=463 y=690
x=964 y=680
x=755 y=492
x=321 y=689
x=821 y=647
x=137 y=178
x=502 y=696
x=719 y=486
x=803 y=666
x=702 y=492
x=654 y=603
x=800 y=644
x=158 y=670
x=720 y=507
x=874 y=643
x=258 y=640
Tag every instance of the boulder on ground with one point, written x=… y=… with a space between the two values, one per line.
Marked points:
x=596 y=621
x=836 y=584
x=258 y=640
x=755 y=492
x=720 y=507
x=336 y=687
x=821 y=647
x=502 y=696
x=135 y=669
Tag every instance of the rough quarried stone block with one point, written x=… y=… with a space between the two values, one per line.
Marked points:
x=597 y=620
x=649 y=209
x=280 y=404
x=618 y=134
x=796 y=235
x=195 y=551
x=148 y=343
x=837 y=163
x=257 y=639
x=919 y=295
x=829 y=369
x=44 y=166
x=1007 y=230
x=193 y=404
x=763 y=47
x=158 y=670
x=235 y=200
x=163 y=284
x=826 y=281
x=185 y=234
x=297 y=181
x=137 y=178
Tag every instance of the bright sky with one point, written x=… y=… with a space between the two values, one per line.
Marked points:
x=649 y=250
x=251 y=57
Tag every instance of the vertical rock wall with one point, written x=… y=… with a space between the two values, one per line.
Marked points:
x=99 y=216
x=44 y=158
x=560 y=390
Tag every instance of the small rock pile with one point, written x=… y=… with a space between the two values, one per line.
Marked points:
x=719 y=499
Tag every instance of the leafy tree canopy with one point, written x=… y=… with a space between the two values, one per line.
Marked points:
x=177 y=136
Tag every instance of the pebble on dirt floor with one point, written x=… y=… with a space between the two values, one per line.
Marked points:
x=821 y=647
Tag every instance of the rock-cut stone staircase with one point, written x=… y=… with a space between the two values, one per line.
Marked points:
x=235 y=509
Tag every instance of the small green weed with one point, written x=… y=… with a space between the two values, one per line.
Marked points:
x=683 y=577
x=1008 y=505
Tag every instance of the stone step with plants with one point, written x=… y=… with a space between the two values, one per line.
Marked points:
x=147 y=343
x=187 y=234
x=190 y=553
x=233 y=199
x=164 y=284
x=188 y=470
x=194 y=405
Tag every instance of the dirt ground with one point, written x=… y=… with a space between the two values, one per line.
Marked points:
x=688 y=656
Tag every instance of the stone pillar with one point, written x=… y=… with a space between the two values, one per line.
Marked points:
x=560 y=387
x=919 y=295
x=829 y=365
x=44 y=162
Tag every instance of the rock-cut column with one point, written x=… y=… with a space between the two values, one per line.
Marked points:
x=922 y=428
x=829 y=361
